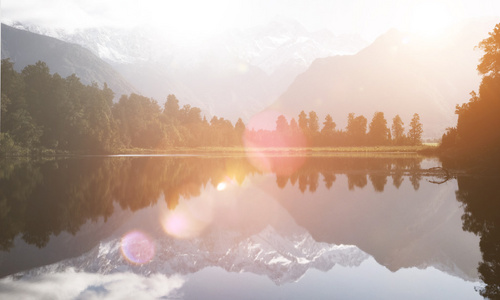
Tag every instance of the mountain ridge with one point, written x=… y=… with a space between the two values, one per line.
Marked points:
x=24 y=48
x=234 y=74
x=399 y=73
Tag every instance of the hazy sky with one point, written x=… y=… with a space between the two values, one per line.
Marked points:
x=200 y=18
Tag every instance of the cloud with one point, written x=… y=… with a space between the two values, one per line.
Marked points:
x=80 y=285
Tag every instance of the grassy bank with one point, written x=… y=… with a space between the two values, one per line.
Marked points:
x=288 y=150
x=422 y=149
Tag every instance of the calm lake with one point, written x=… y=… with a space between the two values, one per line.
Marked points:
x=349 y=226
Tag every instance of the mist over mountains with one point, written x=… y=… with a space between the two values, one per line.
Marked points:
x=280 y=66
x=26 y=48
x=236 y=74
x=399 y=73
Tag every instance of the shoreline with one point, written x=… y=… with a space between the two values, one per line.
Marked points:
x=426 y=150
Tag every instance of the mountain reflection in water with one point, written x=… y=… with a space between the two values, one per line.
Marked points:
x=174 y=216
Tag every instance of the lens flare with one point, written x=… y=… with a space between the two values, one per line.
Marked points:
x=262 y=141
x=189 y=219
x=221 y=186
x=183 y=225
x=137 y=247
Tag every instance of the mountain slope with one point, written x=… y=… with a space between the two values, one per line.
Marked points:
x=398 y=74
x=235 y=74
x=283 y=259
x=25 y=48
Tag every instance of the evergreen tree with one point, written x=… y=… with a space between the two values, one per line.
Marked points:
x=303 y=122
x=139 y=123
x=171 y=108
x=239 y=127
x=477 y=133
x=294 y=127
x=397 y=130
x=415 y=132
x=17 y=125
x=328 y=126
x=328 y=131
x=356 y=129
x=282 y=126
x=313 y=123
x=378 y=133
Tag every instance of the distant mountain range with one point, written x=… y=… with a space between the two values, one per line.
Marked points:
x=26 y=48
x=398 y=74
x=280 y=66
x=281 y=259
x=233 y=75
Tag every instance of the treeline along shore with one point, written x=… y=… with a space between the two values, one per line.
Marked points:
x=41 y=111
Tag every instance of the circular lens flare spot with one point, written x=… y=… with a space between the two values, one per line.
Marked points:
x=137 y=247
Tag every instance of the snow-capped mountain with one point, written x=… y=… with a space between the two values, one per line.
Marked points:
x=282 y=259
x=236 y=74
x=114 y=45
x=24 y=48
x=279 y=43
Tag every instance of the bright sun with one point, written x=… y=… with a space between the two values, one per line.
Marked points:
x=431 y=18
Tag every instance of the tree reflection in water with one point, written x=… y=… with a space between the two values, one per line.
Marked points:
x=38 y=199
x=481 y=198
x=44 y=198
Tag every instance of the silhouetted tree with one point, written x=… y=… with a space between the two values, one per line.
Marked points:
x=282 y=126
x=415 y=131
x=303 y=122
x=356 y=129
x=449 y=138
x=378 y=133
x=239 y=127
x=480 y=196
x=476 y=136
x=313 y=123
x=294 y=127
x=328 y=130
x=398 y=130
x=171 y=108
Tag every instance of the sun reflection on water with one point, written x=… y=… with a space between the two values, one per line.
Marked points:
x=221 y=186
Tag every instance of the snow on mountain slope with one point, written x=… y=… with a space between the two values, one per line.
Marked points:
x=281 y=258
x=236 y=74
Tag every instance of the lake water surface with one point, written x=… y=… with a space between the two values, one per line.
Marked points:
x=261 y=227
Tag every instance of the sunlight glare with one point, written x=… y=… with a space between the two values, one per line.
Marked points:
x=137 y=247
x=262 y=149
x=221 y=186
x=431 y=18
x=189 y=219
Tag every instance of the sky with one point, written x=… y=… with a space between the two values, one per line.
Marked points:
x=202 y=18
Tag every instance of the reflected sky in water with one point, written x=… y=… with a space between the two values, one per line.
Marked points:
x=220 y=227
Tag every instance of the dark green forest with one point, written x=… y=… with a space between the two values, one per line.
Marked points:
x=42 y=111
x=476 y=138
